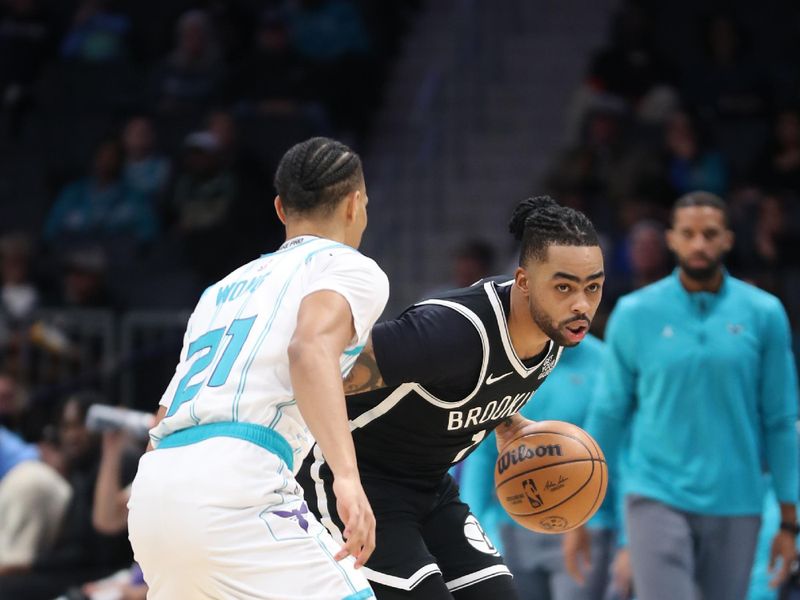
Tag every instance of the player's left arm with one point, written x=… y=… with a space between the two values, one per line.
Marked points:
x=778 y=404
x=365 y=375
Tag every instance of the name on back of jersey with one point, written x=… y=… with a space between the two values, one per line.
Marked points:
x=232 y=291
x=493 y=411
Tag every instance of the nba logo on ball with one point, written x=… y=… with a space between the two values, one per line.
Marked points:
x=570 y=470
x=529 y=485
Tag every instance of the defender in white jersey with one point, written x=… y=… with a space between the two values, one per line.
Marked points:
x=215 y=511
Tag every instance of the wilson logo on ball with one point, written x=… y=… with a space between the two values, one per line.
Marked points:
x=523 y=452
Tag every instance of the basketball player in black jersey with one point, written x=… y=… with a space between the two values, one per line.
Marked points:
x=434 y=382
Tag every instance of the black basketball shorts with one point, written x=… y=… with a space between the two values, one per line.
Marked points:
x=418 y=533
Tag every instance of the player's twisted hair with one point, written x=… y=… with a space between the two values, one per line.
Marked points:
x=541 y=222
x=316 y=174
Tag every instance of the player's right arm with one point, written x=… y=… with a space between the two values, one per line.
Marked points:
x=324 y=329
x=511 y=428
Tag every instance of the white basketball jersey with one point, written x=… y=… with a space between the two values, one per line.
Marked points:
x=234 y=364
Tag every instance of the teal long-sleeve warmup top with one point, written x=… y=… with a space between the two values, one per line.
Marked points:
x=706 y=383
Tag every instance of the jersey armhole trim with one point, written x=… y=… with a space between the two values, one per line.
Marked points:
x=479 y=327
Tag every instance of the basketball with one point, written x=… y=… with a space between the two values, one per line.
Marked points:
x=552 y=477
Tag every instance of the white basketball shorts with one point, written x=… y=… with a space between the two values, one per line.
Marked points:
x=225 y=519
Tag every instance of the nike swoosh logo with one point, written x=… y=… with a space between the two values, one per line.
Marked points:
x=490 y=379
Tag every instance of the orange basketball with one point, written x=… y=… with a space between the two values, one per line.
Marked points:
x=552 y=478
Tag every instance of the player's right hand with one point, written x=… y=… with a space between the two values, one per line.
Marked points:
x=511 y=428
x=359 y=522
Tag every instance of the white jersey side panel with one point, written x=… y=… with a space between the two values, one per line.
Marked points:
x=234 y=364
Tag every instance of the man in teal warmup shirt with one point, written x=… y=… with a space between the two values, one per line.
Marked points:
x=699 y=367
x=536 y=559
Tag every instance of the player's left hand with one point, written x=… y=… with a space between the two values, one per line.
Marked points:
x=783 y=547
x=359 y=521
x=577 y=550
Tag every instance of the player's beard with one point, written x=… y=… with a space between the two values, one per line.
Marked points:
x=549 y=327
x=702 y=274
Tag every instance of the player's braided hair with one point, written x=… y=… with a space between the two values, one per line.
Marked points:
x=316 y=174
x=541 y=222
x=700 y=198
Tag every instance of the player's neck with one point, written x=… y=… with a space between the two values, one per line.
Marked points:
x=697 y=285
x=526 y=337
x=308 y=227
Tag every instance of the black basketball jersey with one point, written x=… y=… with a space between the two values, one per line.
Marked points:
x=406 y=432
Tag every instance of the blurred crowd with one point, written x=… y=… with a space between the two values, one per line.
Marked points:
x=138 y=139
x=63 y=504
x=719 y=111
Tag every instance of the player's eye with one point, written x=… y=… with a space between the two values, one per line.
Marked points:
x=593 y=288
x=563 y=288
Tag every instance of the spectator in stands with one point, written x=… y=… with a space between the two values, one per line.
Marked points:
x=110 y=516
x=732 y=92
x=629 y=66
x=769 y=229
x=645 y=259
x=97 y=34
x=286 y=86
x=324 y=31
x=222 y=125
x=689 y=164
x=245 y=152
x=205 y=199
x=83 y=283
x=728 y=83
x=473 y=261
x=10 y=402
x=33 y=498
x=596 y=169
x=25 y=36
x=19 y=296
x=332 y=38
x=192 y=74
x=779 y=166
x=101 y=204
x=586 y=165
x=145 y=171
x=80 y=552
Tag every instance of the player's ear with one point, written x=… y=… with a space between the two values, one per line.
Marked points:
x=351 y=205
x=521 y=280
x=279 y=209
x=728 y=238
